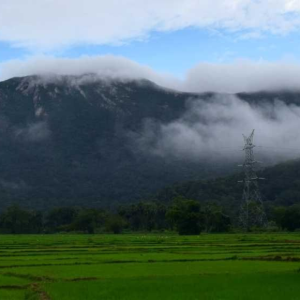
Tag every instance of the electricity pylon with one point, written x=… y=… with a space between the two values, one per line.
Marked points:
x=252 y=212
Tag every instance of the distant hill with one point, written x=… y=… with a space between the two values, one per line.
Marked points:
x=281 y=187
x=69 y=140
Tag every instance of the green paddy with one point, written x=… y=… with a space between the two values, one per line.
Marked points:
x=156 y=266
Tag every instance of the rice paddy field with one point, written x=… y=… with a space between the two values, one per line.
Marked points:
x=114 y=267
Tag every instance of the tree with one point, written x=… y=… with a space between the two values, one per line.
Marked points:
x=144 y=216
x=291 y=218
x=214 y=219
x=185 y=216
x=278 y=215
x=16 y=220
x=88 y=220
x=59 y=218
x=115 y=224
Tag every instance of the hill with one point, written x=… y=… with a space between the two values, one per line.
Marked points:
x=281 y=187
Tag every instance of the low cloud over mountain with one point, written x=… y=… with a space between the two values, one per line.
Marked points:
x=239 y=76
x=213 y=127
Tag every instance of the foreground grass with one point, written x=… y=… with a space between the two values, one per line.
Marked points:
x=229 y=266
x=219 y=286
x=140 y=270
x=12 y=294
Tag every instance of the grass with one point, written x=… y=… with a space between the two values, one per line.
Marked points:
x=12 y=294
x=129 y=270
x=191 y=287
x=225 y=266
x=8 y=280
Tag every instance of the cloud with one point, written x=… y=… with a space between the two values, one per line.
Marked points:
x=238 y=76
x=212 y=129
x=53 y=24
x=243 y=76
x=107 y=66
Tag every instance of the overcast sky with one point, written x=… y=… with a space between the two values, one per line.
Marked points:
x=190 y=44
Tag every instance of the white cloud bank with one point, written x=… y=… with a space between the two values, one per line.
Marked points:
x=52 y=24
x=239 y=76
x=213 y=129
x=105 y=66
x=243 y=76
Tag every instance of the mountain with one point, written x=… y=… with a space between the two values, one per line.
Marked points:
x=72 y=140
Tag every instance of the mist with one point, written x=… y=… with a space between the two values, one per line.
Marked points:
x=237 y=76
x=90 y=67
x=35 y=132
x=212 y=129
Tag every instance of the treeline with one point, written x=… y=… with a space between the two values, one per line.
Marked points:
x=183 y=216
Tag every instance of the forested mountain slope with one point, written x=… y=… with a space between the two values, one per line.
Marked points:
x=280 y=187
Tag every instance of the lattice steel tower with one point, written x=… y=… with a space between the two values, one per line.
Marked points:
x=252 y=212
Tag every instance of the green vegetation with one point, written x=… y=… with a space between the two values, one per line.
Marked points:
x=283 y=286
x=12 y=294
x=281 y=188
x=187 y=217
x=151 y=266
